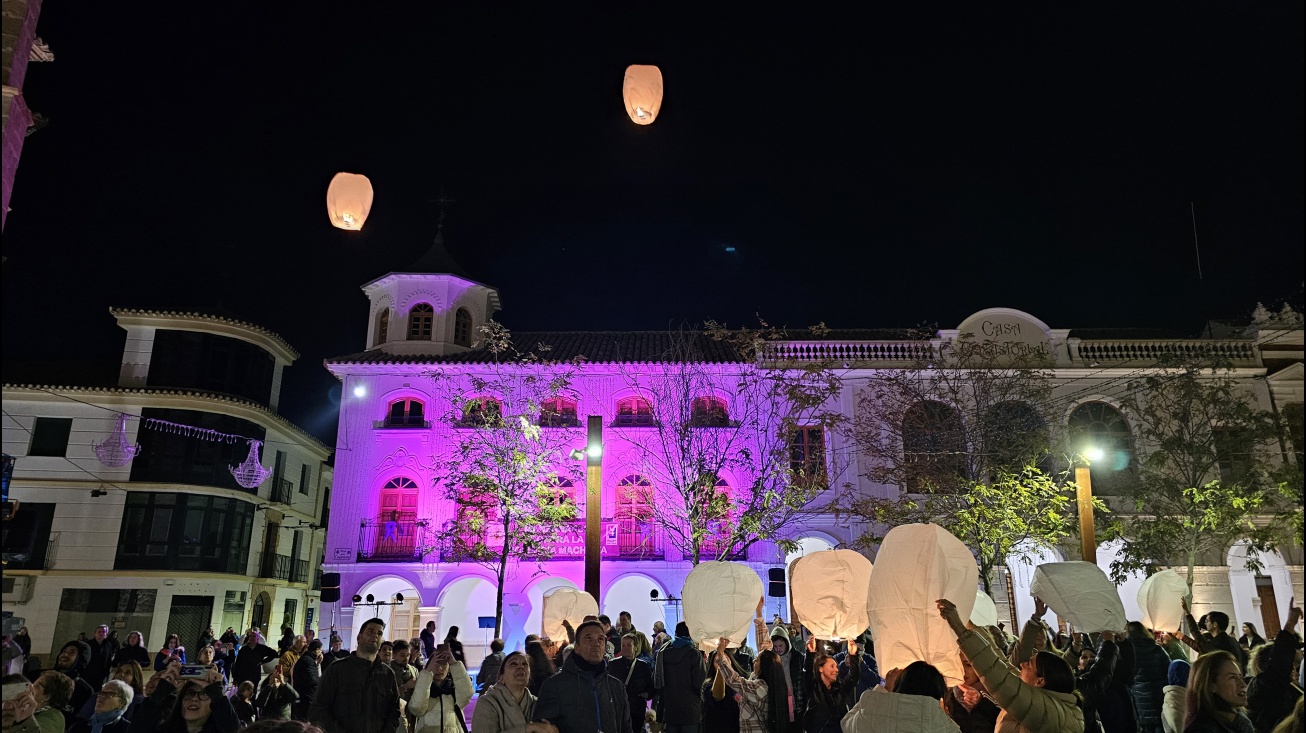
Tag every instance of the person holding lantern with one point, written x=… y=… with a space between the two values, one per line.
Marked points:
x=763 y=697
x=829 y=692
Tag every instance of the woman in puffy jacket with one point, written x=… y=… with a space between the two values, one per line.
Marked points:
x=1039 y=697
x=441 y=691
x=507 y=707
x=915 y=705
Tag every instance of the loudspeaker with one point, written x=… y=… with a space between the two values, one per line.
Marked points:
x=330 y=587
x=776 y=587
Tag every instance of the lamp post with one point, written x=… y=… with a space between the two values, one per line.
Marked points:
x=593 y=505
x=1084 y=498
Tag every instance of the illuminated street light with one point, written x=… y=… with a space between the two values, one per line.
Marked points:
x=360 y=391
x=1084 y=498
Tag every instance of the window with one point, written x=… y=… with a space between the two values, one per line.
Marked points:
x=398 y=500
x=406 y=413
x=807 y=454
x=482 y=412
x=303 y=478
x=164 y=531
x=462 y=328
x=559 y=412
x=27 y=537
x=50 y=436
x=177 y=459
x=205 y=361
x=634 y=412
x=934 y=448
x=326 y=505
x=558 y=493
x=420 y=320
x=1233 y=451
x=709 y=412
x=383 y=327
x=718 y=509
x=1099 y=425
x=1292 y=415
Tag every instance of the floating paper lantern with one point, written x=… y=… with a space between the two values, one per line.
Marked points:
x=349 y=198
x=570 y=604
x=1081 y=594
x=1160 y=597
x=643 y=93
x=917 y=565
x=829 y=591
x=985 y=612
x=720 y=600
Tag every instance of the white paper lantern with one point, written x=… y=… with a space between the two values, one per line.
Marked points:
x=720 y=600
x=1081 y=594
x=829 y=592
x=569 y=604
x=349 y=199
x=1160 y=598
x=985 y=612
x=918 y=564
x=642 y=91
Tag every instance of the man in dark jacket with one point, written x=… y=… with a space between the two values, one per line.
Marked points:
x=1216 y=637
x=248 y=666
x=582 y=697
x=306 y=676
x=1271 y=694
x=678 y=678
x=72 y=661
x=870 y=673
x=358 y=694
x=102 y=650
x=1116 y=706
x=336 y=653
x=636 y=675
x=1093 y=678
x=1151 y=671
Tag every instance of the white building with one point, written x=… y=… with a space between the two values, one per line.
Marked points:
x=170 y=542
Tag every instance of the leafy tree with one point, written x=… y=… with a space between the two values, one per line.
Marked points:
x=767 y=425
x=962 y=438
x=1211 y=474
x=500 y=469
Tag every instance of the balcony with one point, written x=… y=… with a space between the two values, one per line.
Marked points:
x=282 y=492
x=299 y=571
x=275 y=566
x=401 y=422
x=391 y=541
x=636 y=540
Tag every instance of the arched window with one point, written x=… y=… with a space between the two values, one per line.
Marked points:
x=383 y=327
x=633 y=412
x=634 y=516
x=709 y=412
x=558 y=412
x=405 y=413
x=1099 y=425
x=934 y=448
x=398 y=500
x=807 y=456
x=1014 y=435
x=420 y=321
x=462 y=327
x=558 y=492
x=481 y=412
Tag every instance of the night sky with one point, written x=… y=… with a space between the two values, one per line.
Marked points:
x=903 y=167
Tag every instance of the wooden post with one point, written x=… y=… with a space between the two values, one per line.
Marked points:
x=593 y=502
x=1084 y=495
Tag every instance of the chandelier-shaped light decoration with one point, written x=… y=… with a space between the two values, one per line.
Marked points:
x=642 y=91
x=349 y=199
x=116 y=451
x=251 y=473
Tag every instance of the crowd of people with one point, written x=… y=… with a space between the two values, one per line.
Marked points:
x=615 y=678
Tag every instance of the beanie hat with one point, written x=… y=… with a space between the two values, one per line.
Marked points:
x=1178 y=674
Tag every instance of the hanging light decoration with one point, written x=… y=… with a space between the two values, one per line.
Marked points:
x=115 y=451
x=643 y=93
x=349 y=198
x=251 y=473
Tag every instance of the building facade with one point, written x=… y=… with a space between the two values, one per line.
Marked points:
x=169 y=542
x=423 y=328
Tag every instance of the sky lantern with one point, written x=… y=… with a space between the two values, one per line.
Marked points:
x=349 y=198
x=829 y=591
x=643 y=93
x=1081 y=594
x=1161 y=597
x=570 y=604
x=918 y=564
x=985 y=612
x=720 y=600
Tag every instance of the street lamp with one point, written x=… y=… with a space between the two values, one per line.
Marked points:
x=593 y=455
x=1084 y=497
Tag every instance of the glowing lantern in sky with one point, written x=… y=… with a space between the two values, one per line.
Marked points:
x=570 y=604
x=917 y=565
x=1159 y=596
x=349 y=198
x=1081 y=594
x=829 y=590
x=720 y=600
x=643 y=93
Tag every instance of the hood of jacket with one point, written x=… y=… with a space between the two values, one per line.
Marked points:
x=878 y=710
x=83 y=658
x=500 y=699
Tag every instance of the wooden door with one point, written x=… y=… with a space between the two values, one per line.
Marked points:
x=1269 y=609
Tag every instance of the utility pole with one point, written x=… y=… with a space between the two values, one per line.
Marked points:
x=593 y=502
